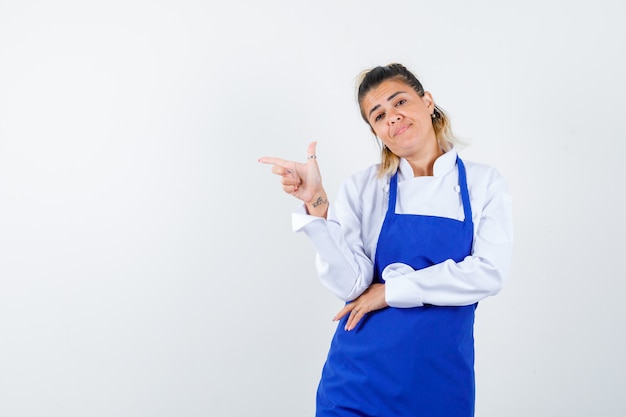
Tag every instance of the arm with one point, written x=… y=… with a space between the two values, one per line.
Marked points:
x=342 y=264
x=479 y=275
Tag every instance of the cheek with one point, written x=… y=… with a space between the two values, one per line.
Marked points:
x=379 y=133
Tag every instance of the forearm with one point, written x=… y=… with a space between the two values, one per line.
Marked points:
x=447 y=284
x=346 y=272
x=477 y=276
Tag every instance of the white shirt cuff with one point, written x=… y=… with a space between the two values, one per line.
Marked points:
x=400 y=292
x=300 y=218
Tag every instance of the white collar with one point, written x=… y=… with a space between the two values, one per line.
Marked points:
x=443 y=164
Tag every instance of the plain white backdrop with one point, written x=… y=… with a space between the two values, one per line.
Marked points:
x=147 y=266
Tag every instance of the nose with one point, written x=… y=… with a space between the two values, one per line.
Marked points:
x=394 y=117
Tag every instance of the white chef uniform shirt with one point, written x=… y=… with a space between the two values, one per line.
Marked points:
x=346 y=240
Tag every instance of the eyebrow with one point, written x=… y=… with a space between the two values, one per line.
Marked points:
x=388 y=99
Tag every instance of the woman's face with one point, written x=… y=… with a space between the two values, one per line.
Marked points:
x=401 y=118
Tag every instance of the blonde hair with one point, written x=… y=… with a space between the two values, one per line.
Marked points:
x=370 y=79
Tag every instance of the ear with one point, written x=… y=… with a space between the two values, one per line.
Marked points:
x=428 y=101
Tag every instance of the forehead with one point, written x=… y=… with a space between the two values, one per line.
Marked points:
x=380 y=94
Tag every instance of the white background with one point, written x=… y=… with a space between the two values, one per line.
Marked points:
x=147 y=265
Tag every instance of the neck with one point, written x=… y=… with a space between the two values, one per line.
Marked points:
x=423 y=165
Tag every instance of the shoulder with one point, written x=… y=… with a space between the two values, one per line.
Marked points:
x=486 y=184
x=366 y=178
x=363 y=187
x=478 y=172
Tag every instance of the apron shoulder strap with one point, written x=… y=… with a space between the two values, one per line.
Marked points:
x=393 y=192
x=467 y=208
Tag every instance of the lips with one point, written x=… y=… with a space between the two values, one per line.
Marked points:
x=400 y=130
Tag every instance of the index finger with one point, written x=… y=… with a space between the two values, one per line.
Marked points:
x=345 y=310
x=275 y=161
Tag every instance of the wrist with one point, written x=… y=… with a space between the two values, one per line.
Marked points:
x=318 y=205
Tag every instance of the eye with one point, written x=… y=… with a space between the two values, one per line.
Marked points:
x=400 y=102
x=379 y=117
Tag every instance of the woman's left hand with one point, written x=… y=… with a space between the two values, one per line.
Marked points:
x=372 y=299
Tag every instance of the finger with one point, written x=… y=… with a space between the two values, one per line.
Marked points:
x=275 y=161
x=345 y=310
x=278 y=170
x=290 y=189
x=355 y=316
x=311 y=151
x=289 y=180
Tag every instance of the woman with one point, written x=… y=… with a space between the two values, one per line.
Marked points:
x=412 y=244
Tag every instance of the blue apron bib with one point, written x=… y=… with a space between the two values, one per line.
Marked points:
x=407 y=362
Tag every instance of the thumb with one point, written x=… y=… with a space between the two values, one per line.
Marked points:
x=311 y=150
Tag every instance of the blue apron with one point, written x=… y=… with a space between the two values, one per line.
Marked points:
x=407 y=362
